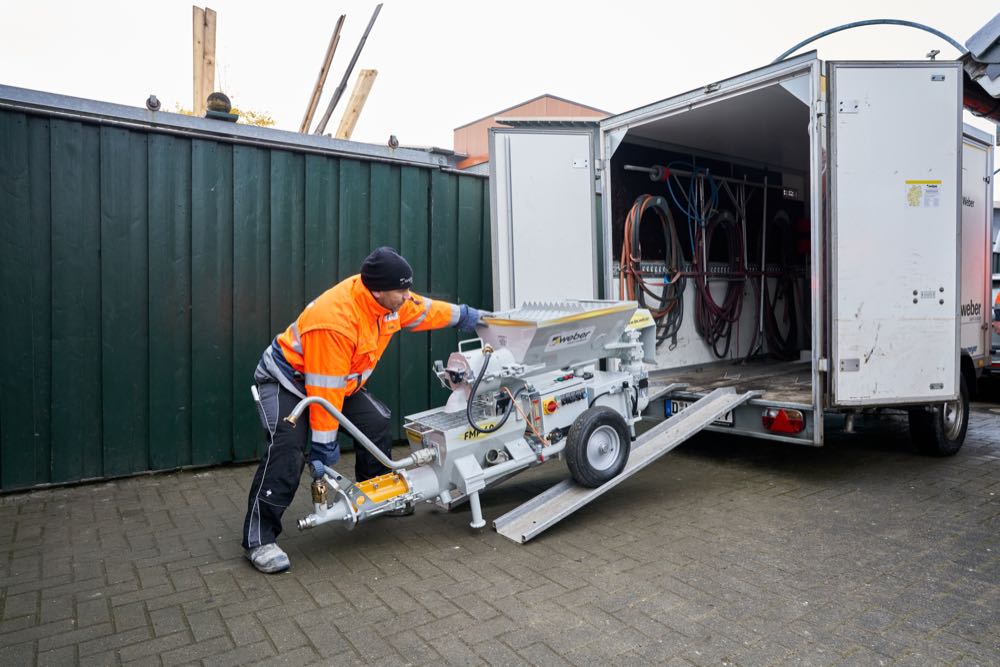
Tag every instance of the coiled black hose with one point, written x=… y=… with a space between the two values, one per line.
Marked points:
x=785 y=347
x=713 y=320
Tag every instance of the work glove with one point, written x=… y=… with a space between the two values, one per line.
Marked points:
x=325 y=453
x=470 y=318
x=317 y=469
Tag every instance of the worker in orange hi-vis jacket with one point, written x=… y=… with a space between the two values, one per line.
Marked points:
x=330 y=351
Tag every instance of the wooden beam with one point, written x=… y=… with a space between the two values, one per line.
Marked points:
x=363 y=86
x=208 y=77
x=321 y=127
x=321 y=80
x=197 y=60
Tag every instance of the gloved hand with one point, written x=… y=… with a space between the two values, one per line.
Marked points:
x=470 y=318
x=316 y=468
x=326 y=453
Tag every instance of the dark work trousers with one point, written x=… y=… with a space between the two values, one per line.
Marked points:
x=280 y=469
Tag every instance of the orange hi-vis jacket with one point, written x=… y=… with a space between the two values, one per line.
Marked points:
x=334 y=345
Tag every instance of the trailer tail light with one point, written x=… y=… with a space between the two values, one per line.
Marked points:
x=783 y=420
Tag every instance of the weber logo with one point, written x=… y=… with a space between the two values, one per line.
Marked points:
x=971 y=309
x=569 y=339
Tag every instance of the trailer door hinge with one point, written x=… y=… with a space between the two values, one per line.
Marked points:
x=598 y=164
x=822 y=365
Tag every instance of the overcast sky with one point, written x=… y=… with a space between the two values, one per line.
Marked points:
x=441 y=63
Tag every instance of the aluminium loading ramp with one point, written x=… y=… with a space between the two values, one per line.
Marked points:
x=552 y=506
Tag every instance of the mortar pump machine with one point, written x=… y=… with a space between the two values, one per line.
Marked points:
x=531 y=388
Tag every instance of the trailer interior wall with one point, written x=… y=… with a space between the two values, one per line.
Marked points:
x=739 y=144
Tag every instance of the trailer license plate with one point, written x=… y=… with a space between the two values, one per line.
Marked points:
x=677 y=406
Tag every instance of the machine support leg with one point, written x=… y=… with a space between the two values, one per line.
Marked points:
x=477 y=510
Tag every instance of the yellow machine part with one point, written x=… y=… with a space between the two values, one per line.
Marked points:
x=414 y=437
x=383 y=487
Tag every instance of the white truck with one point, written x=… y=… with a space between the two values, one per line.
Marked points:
x=817 y=232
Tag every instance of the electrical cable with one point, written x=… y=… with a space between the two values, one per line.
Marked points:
x=513 y=401
x=487 y=355
x=596 y=398
x=669 y=312
x=857 y=24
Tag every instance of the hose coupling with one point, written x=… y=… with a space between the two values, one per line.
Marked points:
x=423 y=456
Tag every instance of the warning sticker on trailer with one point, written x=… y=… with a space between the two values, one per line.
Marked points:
x=923 y=194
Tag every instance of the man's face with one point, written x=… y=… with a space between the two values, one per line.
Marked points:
x=392 y=299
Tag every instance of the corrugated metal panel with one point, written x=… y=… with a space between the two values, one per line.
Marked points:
x=212 y=302
x=144 y=273
x=253 y=246
x=25 y=307
x=170 y=296
x=414 y=224
x=124 y=294
x=77 y=429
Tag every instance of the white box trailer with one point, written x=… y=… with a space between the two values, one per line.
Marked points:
x=850 y=213
x=993 y=366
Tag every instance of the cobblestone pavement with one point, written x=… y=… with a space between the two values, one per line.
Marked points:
x=727 y=551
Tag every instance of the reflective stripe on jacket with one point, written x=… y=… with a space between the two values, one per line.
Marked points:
x=337 y=340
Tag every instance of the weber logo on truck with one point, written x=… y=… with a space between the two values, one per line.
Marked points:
x=971 y=309
x=569 y=339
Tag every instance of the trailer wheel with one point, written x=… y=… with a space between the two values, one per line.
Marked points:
x=940 y=430
x=597 y=446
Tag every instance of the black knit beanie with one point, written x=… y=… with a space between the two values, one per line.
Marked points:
x=385 y=270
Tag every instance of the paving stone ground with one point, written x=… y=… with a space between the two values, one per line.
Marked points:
x=726 y=552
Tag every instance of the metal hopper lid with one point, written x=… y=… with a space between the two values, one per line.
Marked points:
x=558 y=334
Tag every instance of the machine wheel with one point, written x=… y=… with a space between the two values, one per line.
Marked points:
x=597 y=446
x=940 y=431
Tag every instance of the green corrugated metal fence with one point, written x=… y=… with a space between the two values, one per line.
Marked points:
x=143 y=274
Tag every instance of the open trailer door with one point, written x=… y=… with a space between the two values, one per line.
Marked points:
x=542 y=214
x=894 y=193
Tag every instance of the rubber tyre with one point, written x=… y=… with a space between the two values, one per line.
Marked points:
x=597 y=446
x=941 y=430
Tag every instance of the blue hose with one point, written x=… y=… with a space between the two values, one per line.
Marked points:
x=691 y=211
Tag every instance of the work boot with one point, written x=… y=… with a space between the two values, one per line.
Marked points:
x=269 y=558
